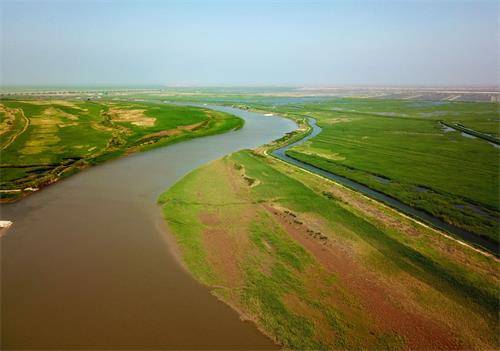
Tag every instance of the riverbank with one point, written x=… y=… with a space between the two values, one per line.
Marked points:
x=61 y=137
x=290 y=250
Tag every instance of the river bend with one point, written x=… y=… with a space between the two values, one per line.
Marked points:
x=87 y=263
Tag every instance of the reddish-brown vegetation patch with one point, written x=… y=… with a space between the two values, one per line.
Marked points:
x=380 y=304
x=221 y=249
x=172 y=132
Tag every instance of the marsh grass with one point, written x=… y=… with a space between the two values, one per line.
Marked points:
x=287 y=291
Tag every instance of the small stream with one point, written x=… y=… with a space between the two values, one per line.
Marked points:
x=400 y=206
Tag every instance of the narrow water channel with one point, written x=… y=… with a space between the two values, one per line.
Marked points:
x=87 y=263
x=374 y=194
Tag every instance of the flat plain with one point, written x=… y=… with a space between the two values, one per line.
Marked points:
x=313 y=264
x=404 y=150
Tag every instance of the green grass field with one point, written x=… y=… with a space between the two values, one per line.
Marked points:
x=402 y=149
x=316 y=266
x=44 y=140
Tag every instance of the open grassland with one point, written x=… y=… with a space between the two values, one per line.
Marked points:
x=318 y=266
x=403 y=149
x=45 y=140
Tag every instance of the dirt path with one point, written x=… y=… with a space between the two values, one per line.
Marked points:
x=12 y=138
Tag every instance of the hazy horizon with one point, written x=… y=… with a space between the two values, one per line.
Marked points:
x=250 y=44
x=278 y=87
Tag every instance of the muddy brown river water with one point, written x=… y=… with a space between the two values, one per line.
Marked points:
x=87 y=263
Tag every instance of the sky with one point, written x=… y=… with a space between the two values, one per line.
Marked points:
x=249 y=43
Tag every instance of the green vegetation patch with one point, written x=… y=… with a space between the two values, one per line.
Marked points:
x=45 y=140
x=304 y=265
x=402 y=149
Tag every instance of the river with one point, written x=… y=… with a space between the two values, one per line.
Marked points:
x=87 y=263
